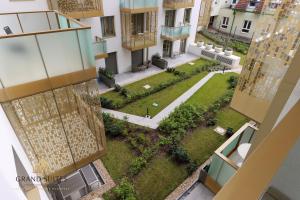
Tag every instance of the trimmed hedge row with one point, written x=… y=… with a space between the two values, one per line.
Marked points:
x=132 y=97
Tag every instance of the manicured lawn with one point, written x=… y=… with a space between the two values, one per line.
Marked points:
x=207 y=40
x=211 y=91
x=202 y=143
x=230 y=118
x=163 y=98
x=118 y=158
x=155 y=80
x=159 y=179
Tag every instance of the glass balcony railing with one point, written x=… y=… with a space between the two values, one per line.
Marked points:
x=175 y=33
x=100 y=48
x=175 y=4
x=138 y=4
x=226 y=161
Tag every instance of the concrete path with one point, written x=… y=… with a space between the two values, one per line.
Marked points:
x=154 y=122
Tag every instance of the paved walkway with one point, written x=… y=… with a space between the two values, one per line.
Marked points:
x=154 y=122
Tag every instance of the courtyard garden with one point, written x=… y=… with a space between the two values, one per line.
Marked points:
x=149 y=164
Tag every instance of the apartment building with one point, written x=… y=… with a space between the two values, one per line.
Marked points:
x=49 y=130
x=261 y=160
x=135 y=30
x=239 y=17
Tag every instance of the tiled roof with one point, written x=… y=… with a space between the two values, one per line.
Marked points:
x=242 y=4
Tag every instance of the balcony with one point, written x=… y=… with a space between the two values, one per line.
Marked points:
x=138 y=6
x=176 y=4
x=140 y=41
x=229 y=157
x=78 y=8
x=175 y=33
x=46 y=78
x=100 y=48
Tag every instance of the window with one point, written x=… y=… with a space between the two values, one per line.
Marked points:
x=187 y=15
x=225 y=22
x=108 y=26
x=246 y=26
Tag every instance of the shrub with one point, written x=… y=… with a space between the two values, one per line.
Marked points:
x=179 y=154
x=125 y=191
x=233 y=80
x=106 y=73
x=106 y=103
x=118 y=88
x=113 y=127
x=170 y=70
x=137 y=165
x=124 y=92
x=212 y=121
x=191 y=167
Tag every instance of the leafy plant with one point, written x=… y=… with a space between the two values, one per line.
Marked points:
x=113 y=127
x=118 y=88
x=105 y=73
x=233 y=80
x=125 y=191
x=137 y=165
x=170 y=69
x=179 y=154
x=191 y=167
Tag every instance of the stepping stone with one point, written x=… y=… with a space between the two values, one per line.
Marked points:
x=191 y=63
x=147 y=87
x=220 y=130
x=155 y=104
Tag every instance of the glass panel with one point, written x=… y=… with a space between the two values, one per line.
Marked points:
x=74 y=25
x=135 y=4
x=174 y=32
x=12 y=22
x=53 y=20
x=100 y=47
x=34 y=22
x=86 y=46
x=215 y=166
x=63 y=22
x=230 y=147
x=20 y=61
x=247 y=135
x=61 y=52
x=225 y=173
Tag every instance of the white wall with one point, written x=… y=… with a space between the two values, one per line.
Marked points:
x=29 y=5
x=9 y=187
x=238 y=22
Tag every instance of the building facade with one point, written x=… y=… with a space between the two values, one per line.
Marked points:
x=134 y=30
x=239 y=18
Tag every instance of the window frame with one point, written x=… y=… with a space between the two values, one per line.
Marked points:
x=107 y=21
x=226 y=20
x=246 y=26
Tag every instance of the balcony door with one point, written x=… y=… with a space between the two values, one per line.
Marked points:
x=182 y=46
x=137 y=22
x=170 y=18
x=137 y=58
x=167 y=48
x=111 y=63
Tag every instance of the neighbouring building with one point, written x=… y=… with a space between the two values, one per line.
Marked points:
x=239 y=18
x=135 y=30
x=49 y=130
x=261 y=160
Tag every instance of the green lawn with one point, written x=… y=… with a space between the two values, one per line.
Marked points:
x=155 y=80
x=207 y=40
x=159 y=179
x=117 y=158
x=211 y=91
x=202 y=143
x=163 y=98
x=230 y=118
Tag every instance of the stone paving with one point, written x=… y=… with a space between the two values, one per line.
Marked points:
x=107 y=179
x=154 y=122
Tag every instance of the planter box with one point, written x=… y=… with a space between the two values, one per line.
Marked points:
x=218 y=49
x=107 y=81
x=159 y=62
x=228 y=52
x=208 y=46
x=200 y=44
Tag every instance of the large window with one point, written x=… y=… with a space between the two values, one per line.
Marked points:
x=225 y=22
x=246 y=26
x=108 y=26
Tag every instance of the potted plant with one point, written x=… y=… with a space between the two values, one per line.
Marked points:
x=209 y=46
x=218 y=49
x=200 y=43
x=106 y=77
x=228 y=51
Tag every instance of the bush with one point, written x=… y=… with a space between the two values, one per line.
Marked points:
x=179 y=154
x=137 y=165
x=191 y=167
x=170 y=70
x=106 y=73
x=124 y=92
x=233 y=80
x=125 y=191
x=118 y=88
x=113 y=127
x=107 y=103
x=212 y=121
